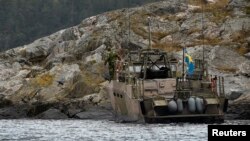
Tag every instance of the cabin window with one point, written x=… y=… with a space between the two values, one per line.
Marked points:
x=156 y=68
x=137 y=69
x=157 y=74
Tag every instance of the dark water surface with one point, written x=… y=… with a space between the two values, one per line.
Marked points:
x=102 y=130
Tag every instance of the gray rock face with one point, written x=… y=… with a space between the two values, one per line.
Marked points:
x=247 y=55
x=245 y=68
x=237 y=24
x=235 y=94
x=72 y=112
x=4 y=102
x=238 y=3
x=70 y=34
x=12 y=113
x=52 y=114
x=230 y=63
x=225 y=57
x=11 y=77
x=38 y=50
x=95 y=113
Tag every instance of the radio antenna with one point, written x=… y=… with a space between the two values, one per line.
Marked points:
x=202 y=30
x=149 y=33
x=128 y=26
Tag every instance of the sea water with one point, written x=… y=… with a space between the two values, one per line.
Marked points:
x=102 y=130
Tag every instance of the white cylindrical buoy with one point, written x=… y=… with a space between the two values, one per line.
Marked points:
x=172 y=106
x=179 y=105
x=199 y=104
x=191 y=105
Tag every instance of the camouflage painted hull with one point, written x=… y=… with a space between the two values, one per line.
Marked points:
x=128 y=107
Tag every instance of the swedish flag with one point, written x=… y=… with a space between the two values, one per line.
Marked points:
x=190 y=63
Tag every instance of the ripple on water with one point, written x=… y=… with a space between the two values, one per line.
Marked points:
x=88 y=130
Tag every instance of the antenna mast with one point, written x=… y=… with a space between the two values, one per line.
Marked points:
x=149 y=33
x=129 y=21
x=202 y=26
x=128 y=14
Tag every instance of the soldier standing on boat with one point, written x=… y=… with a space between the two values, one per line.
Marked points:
x=111 y=60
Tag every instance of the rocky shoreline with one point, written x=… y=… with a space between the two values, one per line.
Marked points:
x=86 y=108
x=63 y=75
x=95 y=108
x=240 y=111
x=239 y=108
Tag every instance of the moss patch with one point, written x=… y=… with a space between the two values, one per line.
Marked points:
x=242 y=50
x=209 y=6
x=207 y=41
x=44 y=80
x=220 y=16
x=112 y=16
x=240 y=36
x=80 y=89
x=247 y=10
x=193 y=30
x=159 y=35
x=140 y=31
x=218 y=4
x=227 y=69
x=169 y=47
x=196 y=2
x=218 y=9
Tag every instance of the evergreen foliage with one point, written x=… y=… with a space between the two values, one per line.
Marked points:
x=22 y=21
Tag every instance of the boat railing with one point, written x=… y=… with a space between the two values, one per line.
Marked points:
x=212 y=84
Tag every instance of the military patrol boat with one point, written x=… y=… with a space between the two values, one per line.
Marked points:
x=146 y=89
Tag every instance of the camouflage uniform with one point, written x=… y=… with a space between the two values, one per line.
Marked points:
x=111 y=60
